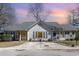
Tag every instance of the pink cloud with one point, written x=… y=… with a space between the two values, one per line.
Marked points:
x=59 y=13
x=61 y=20
x=21 y=12
x=60 y=16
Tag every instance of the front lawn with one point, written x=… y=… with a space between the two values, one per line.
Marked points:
x=11 y=43
x=68 y=43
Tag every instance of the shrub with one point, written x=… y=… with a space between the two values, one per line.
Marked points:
x=49 y=40
x=6 y=37
x=71 y=39
x=67 y=39
x=72 y=45
x=30 y=39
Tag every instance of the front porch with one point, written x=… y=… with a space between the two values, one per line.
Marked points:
x=13 y=36
x=38 y=35
x=9 y=36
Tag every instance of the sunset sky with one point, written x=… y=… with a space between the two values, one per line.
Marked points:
x=57 y=12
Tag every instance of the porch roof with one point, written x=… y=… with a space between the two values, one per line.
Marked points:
x=69 y=27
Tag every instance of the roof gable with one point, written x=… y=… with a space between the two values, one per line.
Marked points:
x=47 y=26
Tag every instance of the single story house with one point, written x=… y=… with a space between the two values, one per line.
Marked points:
x=44 y=31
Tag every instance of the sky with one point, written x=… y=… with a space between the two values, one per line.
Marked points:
x=56 y=12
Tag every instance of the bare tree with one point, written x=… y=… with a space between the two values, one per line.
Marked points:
x=74 y=16
x=71 y=17
x=36 y=10
x=7 y=14
x=74 y=19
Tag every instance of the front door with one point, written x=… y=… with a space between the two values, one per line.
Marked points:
x=39 y=34
x=23 y=35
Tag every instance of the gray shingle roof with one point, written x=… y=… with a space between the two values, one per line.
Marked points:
x=13 y=28
x=22 y=26
x=27 y=25
x=69 y=27
x=50 y=26
x=54 y=25
x=47 y=25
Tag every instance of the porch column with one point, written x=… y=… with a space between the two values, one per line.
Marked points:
x=45 y=34
x=51 y=35
x=59 y=34
x=20 y=37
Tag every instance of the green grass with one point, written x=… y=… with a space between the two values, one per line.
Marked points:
x=68 y=43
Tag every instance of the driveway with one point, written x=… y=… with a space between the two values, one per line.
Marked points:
x=40 y=45
x=39 y=49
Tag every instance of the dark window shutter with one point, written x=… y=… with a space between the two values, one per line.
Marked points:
x=46 y=34
x=33 y=34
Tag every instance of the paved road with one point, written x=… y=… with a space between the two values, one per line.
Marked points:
x=39 y=52
x=48 y=53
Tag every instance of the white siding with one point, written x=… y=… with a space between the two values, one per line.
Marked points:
x=67 y=36
x=37 y=28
